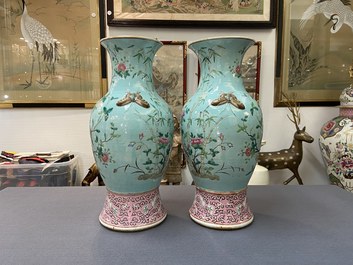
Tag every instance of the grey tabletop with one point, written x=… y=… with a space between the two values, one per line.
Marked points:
x=293 y=225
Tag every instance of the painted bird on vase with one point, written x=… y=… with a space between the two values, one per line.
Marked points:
x=39 y=39
x=338 y=12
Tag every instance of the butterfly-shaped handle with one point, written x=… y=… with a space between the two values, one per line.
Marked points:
x=228 y=98
x=133 y=97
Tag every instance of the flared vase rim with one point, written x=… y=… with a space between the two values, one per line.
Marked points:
x=222 y=38
x=130 y=37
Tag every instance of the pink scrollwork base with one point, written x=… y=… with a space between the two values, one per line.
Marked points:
x=221 y=210
x=132 y=212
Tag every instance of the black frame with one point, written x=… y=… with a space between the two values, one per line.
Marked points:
x=271 y=23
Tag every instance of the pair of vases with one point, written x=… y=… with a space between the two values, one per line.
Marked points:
x=132 y=132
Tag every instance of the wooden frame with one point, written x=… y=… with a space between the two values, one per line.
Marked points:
x=68 y=71
x=314 y=52
x=232 y=13
x=169 y=74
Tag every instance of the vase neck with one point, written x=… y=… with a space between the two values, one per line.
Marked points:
x=221 y=56
x=131 y=58
x=346 y=112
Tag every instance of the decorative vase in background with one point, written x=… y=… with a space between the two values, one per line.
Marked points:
x=336 y=143
x=131 y=133
x=221 y=135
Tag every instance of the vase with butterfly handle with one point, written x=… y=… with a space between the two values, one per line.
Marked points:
x=336 y=143
x=221 y=135
x=131 y=130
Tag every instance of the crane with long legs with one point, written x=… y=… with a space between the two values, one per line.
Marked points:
x=40 y=40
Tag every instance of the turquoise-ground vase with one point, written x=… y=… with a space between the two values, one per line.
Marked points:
x=221 y=135
x=131 y=131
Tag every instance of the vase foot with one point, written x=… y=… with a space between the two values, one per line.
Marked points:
x=132 y=212
x=221 y=210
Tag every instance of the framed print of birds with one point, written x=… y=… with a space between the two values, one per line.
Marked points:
x=314 y=50
x=50 y=53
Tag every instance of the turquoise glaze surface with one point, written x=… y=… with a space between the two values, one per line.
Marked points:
x=131 y=127
x=221 y=123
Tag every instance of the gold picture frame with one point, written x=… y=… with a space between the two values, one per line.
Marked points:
x=51 y=53
x=314 y=51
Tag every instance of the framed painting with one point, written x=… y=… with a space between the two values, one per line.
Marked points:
x=50 y=53
x=251 y=67
x=169 y=76
x=314 y=51
x=207 y=13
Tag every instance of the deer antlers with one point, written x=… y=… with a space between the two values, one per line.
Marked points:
x=293 y=107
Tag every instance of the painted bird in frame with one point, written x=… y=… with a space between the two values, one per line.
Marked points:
x=39 y=40
x=338 y=12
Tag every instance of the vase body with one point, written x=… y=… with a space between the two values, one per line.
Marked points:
x=131 y=131
x=221 y=135
x=336 y=143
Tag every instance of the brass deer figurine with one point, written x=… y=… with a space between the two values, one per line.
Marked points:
x=288 y=158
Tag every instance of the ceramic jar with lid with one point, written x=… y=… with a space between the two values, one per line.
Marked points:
x=336 y=143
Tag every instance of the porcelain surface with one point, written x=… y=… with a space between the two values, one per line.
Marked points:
x=221 y=211
x=221 y=135
x=131 y=126
x=221 y=123
x=131 y=131
x=336 y=143
x=132 y=212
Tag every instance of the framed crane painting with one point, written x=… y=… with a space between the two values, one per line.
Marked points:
x=50 y=53
x=314 y=50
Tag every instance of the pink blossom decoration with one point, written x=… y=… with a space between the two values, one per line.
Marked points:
x=121 y=67
x=105 y=157
x=237 y=69
x=195 y=141
x=163 y=140
x=347 y=162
